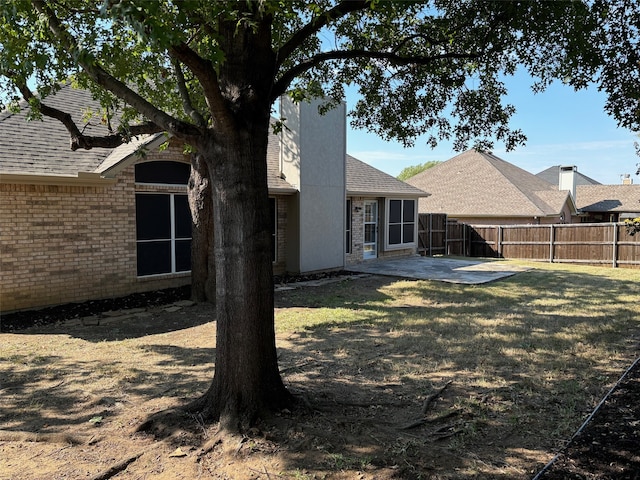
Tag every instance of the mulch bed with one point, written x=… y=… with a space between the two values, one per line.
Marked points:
x=608 y=446
x=10 y=322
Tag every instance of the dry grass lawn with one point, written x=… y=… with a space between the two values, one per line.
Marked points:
x=401 y=379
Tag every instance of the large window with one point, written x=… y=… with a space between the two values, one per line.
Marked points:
x=163 y=233
x=401 y=226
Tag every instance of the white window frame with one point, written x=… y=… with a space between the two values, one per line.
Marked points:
x=402 y=223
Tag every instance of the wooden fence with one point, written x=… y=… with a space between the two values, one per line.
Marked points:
x=437 y=235
x=587 y=243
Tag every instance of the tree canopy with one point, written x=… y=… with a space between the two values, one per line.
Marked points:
x=208 y=73
x=431 y=68
x=413 y=170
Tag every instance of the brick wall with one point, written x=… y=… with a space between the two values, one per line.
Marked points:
x=61 y=244
x=280 y=265
x=357 y=234
x=65 y=243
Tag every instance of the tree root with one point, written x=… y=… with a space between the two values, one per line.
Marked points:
x=425 y=408
x=431 y=398
x=22 y=436
x=117 y=468
x=210 y=445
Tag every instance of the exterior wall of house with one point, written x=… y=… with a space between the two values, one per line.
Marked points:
x=61 y=244
x=280 y=265
x=313 y=160
x=357 y=233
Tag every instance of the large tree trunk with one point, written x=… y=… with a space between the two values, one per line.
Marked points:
x=247 y=381
x=203 y=280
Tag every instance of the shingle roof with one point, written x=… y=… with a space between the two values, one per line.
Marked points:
x=552 y=175
x=481 y=184
x=365 y=180
x=608 y=198
x=42 y=147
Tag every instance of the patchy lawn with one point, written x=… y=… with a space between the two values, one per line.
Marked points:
x=401 y=379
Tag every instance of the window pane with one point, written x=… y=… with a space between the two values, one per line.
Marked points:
x=407 y=233
x=172 y=173
x=154 y=258
x=408 y=210
x=183 y=255
x=153 y=220
x=182 y=216
x=395 y=209
x=395 y=234
x=369 y=233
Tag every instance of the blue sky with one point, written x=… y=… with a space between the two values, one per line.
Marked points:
x=562 y=126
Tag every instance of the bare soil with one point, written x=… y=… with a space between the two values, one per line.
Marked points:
x=76 y=388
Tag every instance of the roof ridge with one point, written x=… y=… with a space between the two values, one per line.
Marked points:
x=490 y=157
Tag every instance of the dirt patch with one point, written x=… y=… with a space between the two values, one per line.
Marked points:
x=73 y=394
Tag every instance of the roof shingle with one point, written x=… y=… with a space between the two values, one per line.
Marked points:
x=481 y=184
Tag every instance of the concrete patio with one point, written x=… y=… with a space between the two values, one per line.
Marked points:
x=441 y=268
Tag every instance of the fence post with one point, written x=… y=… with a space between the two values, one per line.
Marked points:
x=499 y=246
x=615 y=244
x=430 y=234
x=551 y=242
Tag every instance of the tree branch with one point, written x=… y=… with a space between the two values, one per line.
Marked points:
x=110 y=83
x=206 y=75
x=316 y=24
x=80 y=141
x=393 y=58
x=187 y=104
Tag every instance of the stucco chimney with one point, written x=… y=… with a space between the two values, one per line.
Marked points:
x=567 y=180
x=626 y=179
x=312 y=157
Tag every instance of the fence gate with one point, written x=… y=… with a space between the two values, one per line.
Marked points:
x=437 y=235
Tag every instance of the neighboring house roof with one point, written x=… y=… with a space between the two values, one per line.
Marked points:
x=608 y=198
x=365 y=180
x=552 y=175
x=479 y=184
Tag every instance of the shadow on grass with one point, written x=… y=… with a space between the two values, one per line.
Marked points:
x=527 y=357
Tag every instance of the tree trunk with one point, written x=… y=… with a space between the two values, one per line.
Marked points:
x=247 y=381
x=203 y=280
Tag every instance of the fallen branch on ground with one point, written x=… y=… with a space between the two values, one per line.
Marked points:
x=117 y=468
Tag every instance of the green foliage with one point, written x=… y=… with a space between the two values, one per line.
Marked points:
x=413 y=170
x=432 y=67
x=632 y=225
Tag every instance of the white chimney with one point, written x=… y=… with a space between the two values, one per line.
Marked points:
x=567 y=179
x=626 y=179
